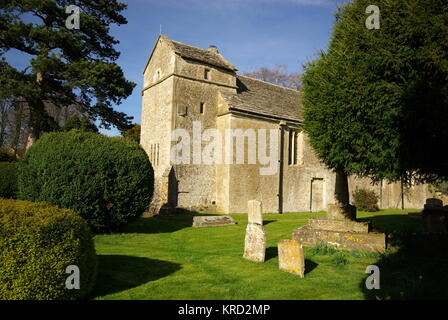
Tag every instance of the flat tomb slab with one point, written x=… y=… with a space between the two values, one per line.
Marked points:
x=213 y=221
x=346 y=225
x=373 y=242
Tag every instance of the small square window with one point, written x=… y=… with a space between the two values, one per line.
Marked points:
x=207 y=74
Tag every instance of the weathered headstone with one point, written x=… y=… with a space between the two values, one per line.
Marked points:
x=255 y=243
x=255 y=240
x=213 y=221
x=435 y=217
x=255 y=212
x=433 y=203
x=291 y=257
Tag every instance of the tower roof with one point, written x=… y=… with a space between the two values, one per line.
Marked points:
x=201 y=55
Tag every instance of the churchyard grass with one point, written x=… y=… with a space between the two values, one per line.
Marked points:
x=166 y=258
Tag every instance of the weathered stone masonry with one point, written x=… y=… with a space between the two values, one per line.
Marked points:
x=183 y=84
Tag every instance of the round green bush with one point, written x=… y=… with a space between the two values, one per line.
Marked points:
x=107 y=180
x=8 y=179
x=37 y=243
x=365 y=200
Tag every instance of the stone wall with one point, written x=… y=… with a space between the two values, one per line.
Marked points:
x=174 y=90
x=156 y=119
x=390 y=194
x=197 y=182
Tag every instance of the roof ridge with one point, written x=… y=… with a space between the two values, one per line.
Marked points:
x=223 y=60
x=266 y=82
x=189 y=45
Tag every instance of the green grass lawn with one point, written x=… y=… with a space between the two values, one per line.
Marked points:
x=165 y=258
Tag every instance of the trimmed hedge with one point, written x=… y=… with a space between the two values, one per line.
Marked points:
x=108 y=181
x=365 y=200
x=8 y=179
x=37 y=243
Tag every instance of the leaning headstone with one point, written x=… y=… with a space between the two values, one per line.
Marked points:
x=291 y=258
x=213 y=221
x=255 y=243
x=255 y=212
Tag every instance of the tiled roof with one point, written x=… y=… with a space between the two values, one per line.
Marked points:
x=263 y=98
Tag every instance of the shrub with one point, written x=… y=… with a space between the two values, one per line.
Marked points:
x=37 y=243
x=132 y=133
x=323 y=249
x=108 y=181
x=8 y=179
x=365 y=200
x=340 y=259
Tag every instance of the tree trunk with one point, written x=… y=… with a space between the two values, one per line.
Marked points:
x=341 y=209
x=341 y=192
x=33 y=125
x=33 y=130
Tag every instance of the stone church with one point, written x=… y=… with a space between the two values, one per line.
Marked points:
x=188 y=89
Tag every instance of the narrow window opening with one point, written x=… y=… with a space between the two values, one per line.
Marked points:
x=295 y=147
x=201 y=108
x=300 y=148
x=151 y=154
x=292 y=147
x=207 y=74
x=294 y=160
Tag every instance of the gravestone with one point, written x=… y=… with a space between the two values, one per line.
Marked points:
x=255 y=240
x=291 y=258
x=435 y=217
x=433 y=203
x=255 y=243
x=213 y=221
x=255 y=212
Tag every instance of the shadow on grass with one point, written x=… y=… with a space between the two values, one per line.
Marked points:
x=265 y=222
x=394 y=222
x=162 y=223
x=117 y=273
x=416 y=264
x=310 y=266
x=272 y=252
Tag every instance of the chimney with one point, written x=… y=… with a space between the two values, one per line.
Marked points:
x=213 y=49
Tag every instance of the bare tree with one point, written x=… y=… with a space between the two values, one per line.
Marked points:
x=278 y=75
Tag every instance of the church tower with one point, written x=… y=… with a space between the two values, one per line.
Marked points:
x=181 y=86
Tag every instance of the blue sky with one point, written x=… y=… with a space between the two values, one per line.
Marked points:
x=249 y=33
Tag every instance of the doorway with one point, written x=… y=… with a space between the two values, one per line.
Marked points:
x=317 y=195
